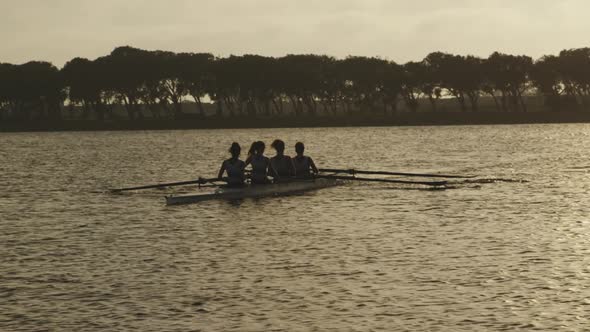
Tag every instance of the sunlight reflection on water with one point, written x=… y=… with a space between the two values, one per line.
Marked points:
x=482 y=256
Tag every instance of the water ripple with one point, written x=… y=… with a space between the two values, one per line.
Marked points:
x=506 y=251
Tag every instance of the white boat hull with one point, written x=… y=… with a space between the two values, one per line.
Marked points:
x=254 y=191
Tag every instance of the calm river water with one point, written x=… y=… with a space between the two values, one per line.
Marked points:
x=481 y=256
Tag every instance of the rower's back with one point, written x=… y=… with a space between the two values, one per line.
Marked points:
x=259 y=168
x=304 y=165
x=233 y=167
x=281 y=165
x=235 y=171
x=259 y=162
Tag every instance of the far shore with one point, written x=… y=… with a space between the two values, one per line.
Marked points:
x=358 y=120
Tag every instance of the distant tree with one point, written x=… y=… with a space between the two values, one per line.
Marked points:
x=33 y=86
x=254 y=76
x=83 y=78
x=126 y=68
x=224 y=89
x=574 y=67
x=76 y=74
x=6 y=89
x=172 y=72
x=461 y=76
x=267 y=81
x=197 y=75
x=392 y=85
x=508 y=74
x=430 y=78
x=331 y=90
x=152 y=92
x=412 y=81
x=304 y=80
x=365 y=78
x=469 y=78
x=546 y=77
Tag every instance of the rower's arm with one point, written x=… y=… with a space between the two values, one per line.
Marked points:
x=313 y=167
x=221 y=170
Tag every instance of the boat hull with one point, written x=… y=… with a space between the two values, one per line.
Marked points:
x=255 y=191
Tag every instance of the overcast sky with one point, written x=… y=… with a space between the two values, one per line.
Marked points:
x=58 y=30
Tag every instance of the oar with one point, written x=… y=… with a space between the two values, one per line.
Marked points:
x=354 y=171
x=354 y=178
x=170 y=184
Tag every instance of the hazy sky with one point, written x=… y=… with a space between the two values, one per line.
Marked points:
x=58 y=30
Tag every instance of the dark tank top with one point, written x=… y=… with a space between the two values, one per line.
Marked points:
x=281 y=165
x=302 y=166
x=259 y=167
x=235 y=171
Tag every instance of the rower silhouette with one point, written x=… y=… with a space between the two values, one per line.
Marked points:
x=281 y=165
x=260 y=163
x=304 y=165
x=234 y=167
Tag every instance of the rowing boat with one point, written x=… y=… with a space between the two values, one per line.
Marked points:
x=256 y=191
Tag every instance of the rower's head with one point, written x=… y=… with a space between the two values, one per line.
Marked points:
x=299 y=148
x=235 y=150
x=252 y=148
x=279 y=146
x=260 y=146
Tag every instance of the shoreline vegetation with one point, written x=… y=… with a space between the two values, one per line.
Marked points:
x=134 y=89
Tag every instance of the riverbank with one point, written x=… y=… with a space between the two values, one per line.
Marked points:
x=358 y=120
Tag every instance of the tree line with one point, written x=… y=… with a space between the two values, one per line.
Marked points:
x=156 y=83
